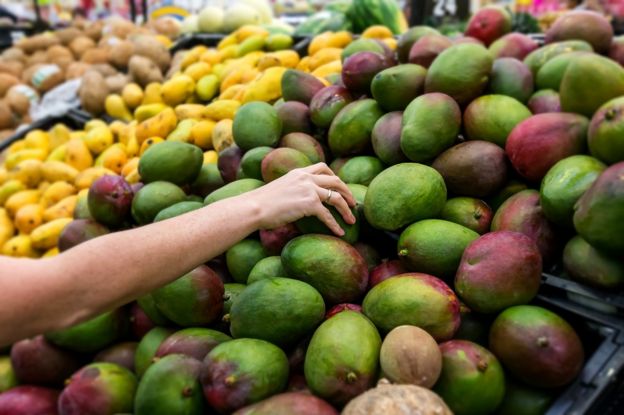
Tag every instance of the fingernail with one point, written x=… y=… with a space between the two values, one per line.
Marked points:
x=341 y=232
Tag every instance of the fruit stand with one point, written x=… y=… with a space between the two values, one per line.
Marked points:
x=484 y=273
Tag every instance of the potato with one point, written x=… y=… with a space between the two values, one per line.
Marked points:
x=105 y=69
x=144 y=71
x=20 y=97
x=121 y=53
x=7 y=120
x=76 y=70
x=119 y=27
x=67 y=35
x=95 y=56
x=58 y=51
x=94 y=29
x=39 y=42
x=4 y=134
x=151 y=48
x=80 y=45
x=13 y=54
x=14 y=68
x=6 y=82
x=38 y=57
x=29 y=72
x=93 y=92
x=116 y=83
x=166 y=26
x=47 y=77
x=397 y=400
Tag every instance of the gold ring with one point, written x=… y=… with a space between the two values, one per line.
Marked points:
x=330 y=192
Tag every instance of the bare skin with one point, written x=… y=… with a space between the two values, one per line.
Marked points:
x=42 y=295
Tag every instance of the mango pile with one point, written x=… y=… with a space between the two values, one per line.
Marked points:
x=476 y=163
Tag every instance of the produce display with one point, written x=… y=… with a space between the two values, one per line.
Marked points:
x=477 y=162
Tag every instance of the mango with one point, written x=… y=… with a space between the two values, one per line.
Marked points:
x=91 y=335
x=29 y=217
x=132 y=95
x=178 y=209
x=394 y=88
x=25 y=400
x=299 y=86
x=172 y=161
x=266 y=268
x=461 y=71
x=7 y=229
x=207 y=87
x=235 y=188
x=543 y=101
x=287 y=403
x=359 y=70
x=19 y=199
x=605 y=137
x=46 y=236
x=386 y=138
x=280 y=161
x=512 y=78
x=78 y=231
x=177 y=89
x=109 y=200
x=13 y=159
x=243 y=371
x=145 y=111
x=590 y=266
x=424 y=51
x=493 y=117
x=265 y=87
x=489 y=24
x=208 y=180
x=154 y=197
x=585 y=25
x=305 y=144
x=274 y=240
x=121 y=354
x=193 y=342
x=265 y=130
x=411 y=36
x=351 y=129
x=99 y=139
x=62 y=209
x=116 y=107
x=28 y=172
x=326 y=103
x=9 y=188
x=19 y=246
x=229 y=163
x=54 y=171
x=295 y=117
x=147 y=347
x=513 y=45
x=159 y=125
x=362 y=45
x=550 y=75
x=85 y=178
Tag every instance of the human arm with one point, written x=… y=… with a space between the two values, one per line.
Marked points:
x=37 y=296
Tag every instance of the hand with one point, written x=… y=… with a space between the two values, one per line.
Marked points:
x=302 y=192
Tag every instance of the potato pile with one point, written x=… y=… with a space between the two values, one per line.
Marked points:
x=99 y=52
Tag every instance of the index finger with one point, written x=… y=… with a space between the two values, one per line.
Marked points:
x=319 y=168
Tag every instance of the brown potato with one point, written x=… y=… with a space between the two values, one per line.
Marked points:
x=29 y=72
x=6 y=82
x=120 y=28
x=94 y=29
x=14 y=68
x=151 y=48
x=144 y=71
x=93 y=92
x=20 y=97
x=76 y=70
x=105 y=69
x=67 y=35
x=116 y=83
x=95 y=56
x=121 y=53
x=38 y=57
x=7 y=120
x=47 y=77
x=166 y=26
x=13 y=54
x=80 y=45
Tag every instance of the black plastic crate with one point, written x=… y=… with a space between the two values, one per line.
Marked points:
x=602 y=300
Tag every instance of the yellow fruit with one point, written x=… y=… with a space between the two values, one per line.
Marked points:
x=133 y=177
x=59 y=135
x=232 y=78
x=182 y=132
x=143 y=112
x=148 y=143
x=201 y=134
x=328 y=69
x=228 y=52
x=4 y=175
x=268 y=61
x=63 y=209
x=232 y=92
x=38 y=139
x=116 y=107
x=222 y=109
x=176 y=90
x=53 y=171
x=152 y=94
x=77 y=134
x=267 y=87
x=28 y=217
x=207 y=87
x=246 y=31
x=211 y=56
x=391 y=42
x=251 y=44
x=58 y=154
x=7 y=230
x=16 y=146
x=46 y=236
x=324 y=56
x=304 y=64
x=19 y=246
x=14 y=159
x=113 y=158
x=229 y=40
x=132 y=147
x=377 y=32
x=319 y=42
x=96 y=123
x=50 y=253
x=198 y=70
x=78 y=155
x=99 y=139
x=159 y=125
x=192 y=56
x=340 y=39
x=211 y=157
x=56 y=192
x=9 y=188
x=117 y=127
x=192 y=111
x=28 y=172
x=19 y=199
x=288 y=58
x=219 y=70
x=43 y=186
x=132 y=95
x=88 y=176
x=130 y=165
x=222 y=137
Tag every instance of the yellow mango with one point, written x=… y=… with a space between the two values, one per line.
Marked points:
x=130 y=165
x=207 y=87
x=4 y=175
x=159 y=125
x=28 y=172
x=132 y=147
x=304 y=64
x=211 y=56
x=232 y=78
x=183 y=131
x=132 y=95
x=9 y=188
x=99 y=139
x=16 y=146
x=117 y=127
x=148 y=143
x=43 y=186
x=58 y=154
x=133 y=177
x=19 y=246
x=78 y=155
x=113 y=158
x=223 y=109
x=116 y=107
x=328 y=69
x=201 y=134
x=377 y=32
x=340 y=39
x=232 y=92
x=95 y=123
x=19 y=199
x=177 y=89
x=28 y=217
x=324 y=56
x=59 y=135
x=219 y=70
x=56 y=192
x=251 y=44
x=228 y=52
x=192 y=56
x=143 y=112
x=268 y=61
x=38 y=139
x=390 y=42
x=88 y=176
x=229 y=40
x=288 y=58
x=279 y=41
x=62 y=209
x=319 y=42
x=7 y=230
x=14 y=159
x=77 y=134
x=222 y=137
x=197 y=70
x=267 y=87
x=211 y=157
x=192 y=111
x=249 y=75
x=152 y=94
x=46 y=236
x=54 y=171
x=50 y=253
x=247 y=31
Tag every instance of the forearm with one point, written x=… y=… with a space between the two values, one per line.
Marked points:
x=111 y=270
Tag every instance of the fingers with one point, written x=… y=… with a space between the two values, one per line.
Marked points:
x=339 y=203
x=326 y=217
x=319 y=168
x=333 y=182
